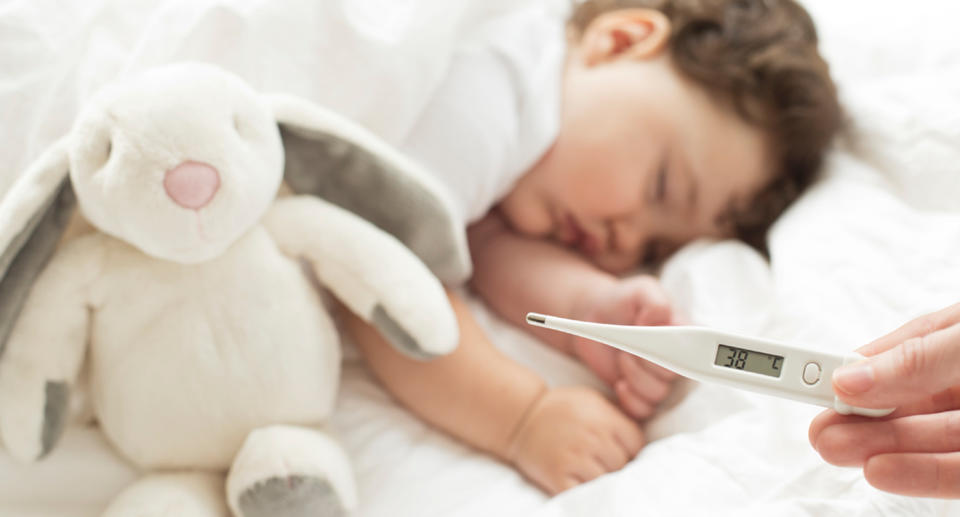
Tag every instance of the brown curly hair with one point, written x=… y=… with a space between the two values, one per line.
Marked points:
x=761 y=57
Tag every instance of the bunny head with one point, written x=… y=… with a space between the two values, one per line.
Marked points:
x=178 y=161
x=183 y=159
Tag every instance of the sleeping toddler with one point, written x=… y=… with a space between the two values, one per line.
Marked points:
x=579 y=150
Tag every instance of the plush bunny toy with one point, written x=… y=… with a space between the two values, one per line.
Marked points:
x=211 y=355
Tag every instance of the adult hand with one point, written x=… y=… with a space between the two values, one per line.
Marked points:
x=915 y=450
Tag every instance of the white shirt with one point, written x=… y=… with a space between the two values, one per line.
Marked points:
x=496 y=111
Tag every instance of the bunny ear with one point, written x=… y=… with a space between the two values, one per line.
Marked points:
x=331 y=157
x=33 y=215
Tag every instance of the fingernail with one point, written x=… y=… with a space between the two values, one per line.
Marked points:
x=853 y=379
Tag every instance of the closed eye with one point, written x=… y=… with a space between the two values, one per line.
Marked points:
x=661 y=188
x=661 y=185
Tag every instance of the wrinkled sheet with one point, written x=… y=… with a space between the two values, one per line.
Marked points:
x=875 y=243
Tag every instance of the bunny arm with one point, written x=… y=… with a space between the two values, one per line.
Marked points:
x=45 y=350
x=370 y=271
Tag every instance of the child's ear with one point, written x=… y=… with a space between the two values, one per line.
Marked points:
x=625 y=33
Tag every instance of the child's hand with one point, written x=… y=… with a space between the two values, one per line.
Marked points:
x=571 y=436
x=639 y=385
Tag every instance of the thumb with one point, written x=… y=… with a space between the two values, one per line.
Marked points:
x=917 y=368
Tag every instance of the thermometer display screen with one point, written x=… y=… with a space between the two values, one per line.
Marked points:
x=749 y=360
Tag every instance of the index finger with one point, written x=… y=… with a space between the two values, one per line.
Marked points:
x=907 y=373
x=918 y=327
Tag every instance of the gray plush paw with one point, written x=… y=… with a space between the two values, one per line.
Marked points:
x=54 y=415
x=291 y=496
x=397 y=336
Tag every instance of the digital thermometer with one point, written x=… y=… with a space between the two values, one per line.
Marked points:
x=743 y=362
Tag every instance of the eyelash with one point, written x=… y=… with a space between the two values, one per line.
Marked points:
x=661 y=192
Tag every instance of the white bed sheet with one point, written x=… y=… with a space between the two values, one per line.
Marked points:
x=874 y=244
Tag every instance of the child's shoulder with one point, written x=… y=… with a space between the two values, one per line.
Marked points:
x=496 y=109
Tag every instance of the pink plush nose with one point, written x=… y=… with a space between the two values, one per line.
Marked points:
x=192 y=184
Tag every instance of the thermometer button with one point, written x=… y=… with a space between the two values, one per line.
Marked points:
x=811 y=373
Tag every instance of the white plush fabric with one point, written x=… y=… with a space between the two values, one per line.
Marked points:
x=303 y=451
x=190 y=305
x=124 y=143
x=874 y=245
x=48 y=171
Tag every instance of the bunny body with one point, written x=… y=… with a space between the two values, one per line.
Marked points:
x=198 y=304
x=180 y=378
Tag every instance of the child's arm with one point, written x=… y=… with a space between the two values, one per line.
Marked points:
x=516 y=275
x=475 y=379
x=558 y=438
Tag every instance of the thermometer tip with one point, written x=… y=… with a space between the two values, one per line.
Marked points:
x=536 y=319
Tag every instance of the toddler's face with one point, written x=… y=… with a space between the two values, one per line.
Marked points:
x=645 y=161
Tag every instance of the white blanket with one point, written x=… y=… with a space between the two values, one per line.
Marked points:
x=874 y=244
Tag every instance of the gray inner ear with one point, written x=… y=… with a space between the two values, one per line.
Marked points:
x=378 y=190
x=28 y=255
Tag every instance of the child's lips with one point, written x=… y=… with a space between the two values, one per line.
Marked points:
x=577 y=237
x=590 y=245
x=566 y=230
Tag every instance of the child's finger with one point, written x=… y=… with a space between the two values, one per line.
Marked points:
x=680 y=319
x=563 y=485
x=654 y=314
x=600 y=358
x=643 y=382
x=659 y=371
x=634 y=405
x=612 y=457
x=653 y=302
x=630 y=438
x=589 y=469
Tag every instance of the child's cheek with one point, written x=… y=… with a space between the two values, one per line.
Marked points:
x=602 y=197
x=527 y=214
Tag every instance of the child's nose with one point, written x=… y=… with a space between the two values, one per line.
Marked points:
x=192 y=184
